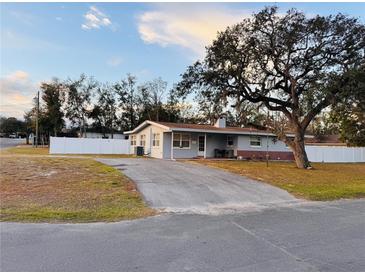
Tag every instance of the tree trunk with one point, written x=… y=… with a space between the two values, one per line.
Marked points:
x=300 y=155
x=112 y=129
x=84 y=128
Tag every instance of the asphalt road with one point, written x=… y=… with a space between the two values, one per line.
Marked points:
x=9 y=142
x=181 y=187
x=307 y=237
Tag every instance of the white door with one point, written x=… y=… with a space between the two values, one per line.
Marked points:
x=201 y=145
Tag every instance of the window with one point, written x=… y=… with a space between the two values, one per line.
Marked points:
x=133 y=140
x=156 y=139
x=185 y=140
x=229 y=141
x=177 y=139
x=255 y=141
x=142 y=142
x=181 y=140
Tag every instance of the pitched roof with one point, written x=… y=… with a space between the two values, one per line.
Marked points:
x=211 y=128
x=202 y=128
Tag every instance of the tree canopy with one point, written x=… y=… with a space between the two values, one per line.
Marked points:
x=286 y=63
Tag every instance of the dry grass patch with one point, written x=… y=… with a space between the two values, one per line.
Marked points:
x=29 y=150
x=66 y=190
x=324 y=182
x=26 y=150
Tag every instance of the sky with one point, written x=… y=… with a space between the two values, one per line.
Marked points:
x=40 y=41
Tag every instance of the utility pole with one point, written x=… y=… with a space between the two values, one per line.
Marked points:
x=36 y=121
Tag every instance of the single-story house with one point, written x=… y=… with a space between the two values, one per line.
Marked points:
x=178 y=141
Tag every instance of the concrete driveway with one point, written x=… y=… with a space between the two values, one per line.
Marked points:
x=192 y=188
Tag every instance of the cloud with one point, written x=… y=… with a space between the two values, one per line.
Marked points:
x=94 y=19
x=17 y=93
x=114 y=61
x=190 y=26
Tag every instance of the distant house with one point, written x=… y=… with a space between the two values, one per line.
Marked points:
x=105 y=135
x=177 y=140
x=326 y=140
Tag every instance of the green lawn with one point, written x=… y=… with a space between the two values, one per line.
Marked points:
x=323 y=182
x=55 y=189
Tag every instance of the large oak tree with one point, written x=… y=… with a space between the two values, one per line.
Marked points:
x=285 y=62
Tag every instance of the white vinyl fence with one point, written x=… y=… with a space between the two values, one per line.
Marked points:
x=65 y=145
x=333 y=154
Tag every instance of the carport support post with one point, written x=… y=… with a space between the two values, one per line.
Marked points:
x=205 y=146
x=172 y=146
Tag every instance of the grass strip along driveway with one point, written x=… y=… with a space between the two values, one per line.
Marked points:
x=54 y=189
x=324 y=182
x=29 y=150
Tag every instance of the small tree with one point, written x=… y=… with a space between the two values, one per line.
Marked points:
x=126 y=90
x=104 y=112
x=150 y=98
x=30 y=118
x=283 y=62
x=171 y=108
x=78 y=97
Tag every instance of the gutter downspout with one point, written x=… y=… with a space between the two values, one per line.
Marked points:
x=172 y=146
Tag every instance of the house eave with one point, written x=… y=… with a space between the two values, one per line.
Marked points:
x=143 y=125
x=170 y=129
x=232 y=132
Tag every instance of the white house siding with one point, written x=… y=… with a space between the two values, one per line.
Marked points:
x=155 y=152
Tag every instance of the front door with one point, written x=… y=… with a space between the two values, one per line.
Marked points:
x=201 y=145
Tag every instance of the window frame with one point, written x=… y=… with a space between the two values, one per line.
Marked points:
x=258 y=138
x=227 y=141
x=181 y=140
x=142 y=140
x=154 y=139
x=133 y=140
